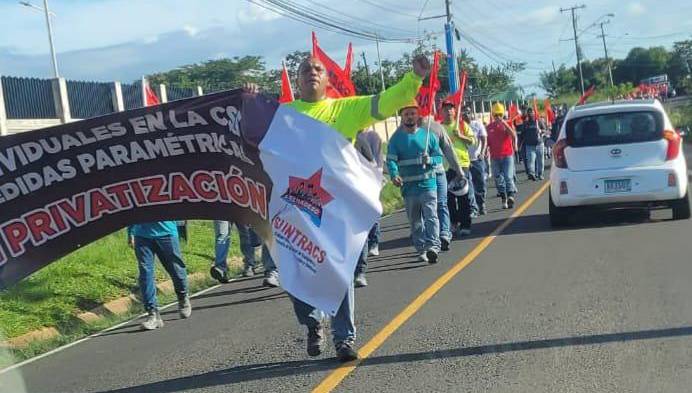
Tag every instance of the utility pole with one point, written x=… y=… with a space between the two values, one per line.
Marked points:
x=576 y=41
x=449 y=29
x=50 y=39
x=605 y=49
x=367 y=72
x=451 y=59
x=49 y=26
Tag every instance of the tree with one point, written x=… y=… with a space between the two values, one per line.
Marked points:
x=680 y=66
x=559 y=82
x=642 y=63
x=214 y=75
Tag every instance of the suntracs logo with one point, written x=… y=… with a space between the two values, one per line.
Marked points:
x=308 y=195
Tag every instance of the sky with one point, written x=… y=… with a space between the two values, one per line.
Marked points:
x=108 y=40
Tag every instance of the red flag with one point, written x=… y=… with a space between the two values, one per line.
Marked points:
x=587 y=94
x=340 y=84
x=150 y=97
x=514 y=115
x=349 y=60
x=426 y=94
x=549 y=114
x=286 y=90
x=462 y=88
x=535 y=108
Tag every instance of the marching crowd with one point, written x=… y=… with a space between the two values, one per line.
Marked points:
x=442 y=170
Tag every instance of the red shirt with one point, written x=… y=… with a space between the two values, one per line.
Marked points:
x=500 y=142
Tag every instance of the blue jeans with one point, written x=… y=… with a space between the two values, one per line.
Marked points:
x=248 y=241
x=479 y=183
x=374 y=235
x=343 y=325
x=168 y=250
x=362 y=264
x=422 y=216
x=443 y=208
x=535 y=160
x=504 y=175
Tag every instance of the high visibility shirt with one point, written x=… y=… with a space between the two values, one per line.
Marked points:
x=405 y=153
x=348 y=115
x=461 y=147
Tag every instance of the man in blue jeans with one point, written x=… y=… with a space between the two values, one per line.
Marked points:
x=412 y=156
x=159 y=239
x=450 y=156
x=248 y=241
x=533 y=131
x=477 y=154
x=501 y=137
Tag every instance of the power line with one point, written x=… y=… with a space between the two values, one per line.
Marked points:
x=356 y=19
x=576 y=41
x=315 y=18
x=384 y=7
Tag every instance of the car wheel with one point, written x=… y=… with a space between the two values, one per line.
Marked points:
x=559 y=216
x=681 y=207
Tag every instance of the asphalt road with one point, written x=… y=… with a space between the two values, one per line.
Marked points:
x=602 y=306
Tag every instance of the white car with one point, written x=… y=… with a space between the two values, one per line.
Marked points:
x=617 y=155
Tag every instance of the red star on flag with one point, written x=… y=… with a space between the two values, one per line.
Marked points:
x=311 y=188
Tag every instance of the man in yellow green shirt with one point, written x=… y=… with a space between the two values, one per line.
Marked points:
x=347 y=116
x=462 y=137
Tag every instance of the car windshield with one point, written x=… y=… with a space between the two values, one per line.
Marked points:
x=614 y=128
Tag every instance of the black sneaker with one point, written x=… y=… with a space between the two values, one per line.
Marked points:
x=315 y=340
x=218 y=274
x=510 y=202
x=432 y=256
x=345 y=352
x=445 y=244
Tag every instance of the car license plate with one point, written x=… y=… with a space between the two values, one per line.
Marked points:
x=620 y=185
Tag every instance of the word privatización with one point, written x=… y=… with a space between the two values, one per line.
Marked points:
x=61 y=216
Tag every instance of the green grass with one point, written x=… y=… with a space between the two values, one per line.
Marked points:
x=391 y=198
x=681 y=116
x=102 y=271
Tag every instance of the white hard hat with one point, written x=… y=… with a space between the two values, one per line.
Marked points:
x=459 y=186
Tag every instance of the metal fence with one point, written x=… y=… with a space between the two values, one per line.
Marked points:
x=178 y=93
x=28 y=98
x=132 y=95
x=89 y=99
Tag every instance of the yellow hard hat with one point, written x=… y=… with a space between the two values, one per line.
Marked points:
x=412 y=104
x=498 y=109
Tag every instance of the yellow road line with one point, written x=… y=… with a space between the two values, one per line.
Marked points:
x=338 y=375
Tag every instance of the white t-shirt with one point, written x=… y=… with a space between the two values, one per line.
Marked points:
x=479 y=130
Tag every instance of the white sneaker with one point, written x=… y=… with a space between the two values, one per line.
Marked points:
x=271 y=279
x=374 y=251
x=185 y=307
x=360 y=281
x=153 y=321
x=422 y=257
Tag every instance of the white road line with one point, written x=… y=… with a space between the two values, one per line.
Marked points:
x=64 y=347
